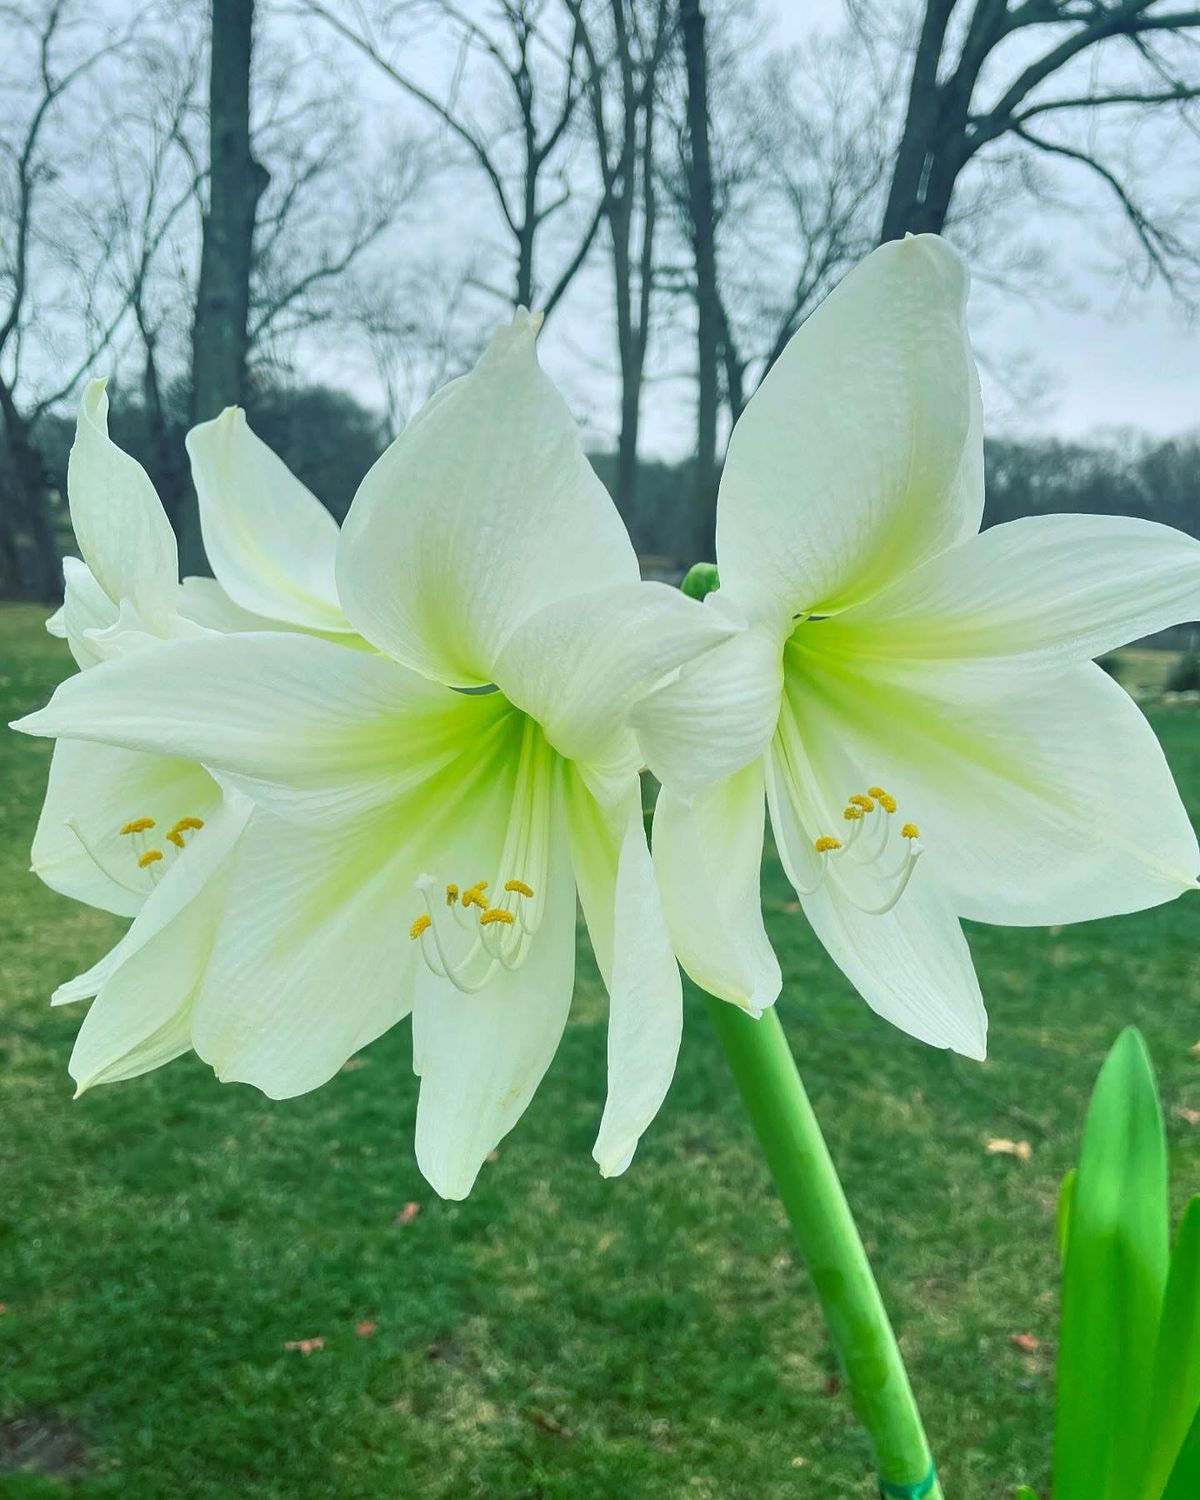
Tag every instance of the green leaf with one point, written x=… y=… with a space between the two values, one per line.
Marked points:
x=1176 y=1389
x=1113 y=1283
x=1184 y=1483
x=1066 y=1192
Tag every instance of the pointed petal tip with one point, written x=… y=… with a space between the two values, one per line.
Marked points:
x=611 y=1162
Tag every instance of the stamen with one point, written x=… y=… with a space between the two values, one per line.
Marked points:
x=420 y=924
x=175 y=837
x=852 y=814
x=181 y=825
x=910 y=831
x=826 y=843
x=496 y=914
x=859 y=799
x=137 y=825
x=451 y=894
x=149 y=857
x=519 y=887
x=473 y=895
x=877 y=792
x=887 y=802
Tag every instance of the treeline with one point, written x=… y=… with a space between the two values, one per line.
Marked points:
x=329 y=440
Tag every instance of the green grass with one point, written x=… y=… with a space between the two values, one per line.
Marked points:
x=556 y=1336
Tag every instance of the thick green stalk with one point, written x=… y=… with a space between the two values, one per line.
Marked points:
x=808 y=1186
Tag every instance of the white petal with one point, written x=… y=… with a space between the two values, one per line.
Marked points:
x=645 y=1016
x=718 y=716
x=484 y=510
x=912 y=966
x=1044 y=590
x=86 y=611
x=92 y=791
x=295 y=721
x=580 y=665
x=119 y=522
x=269 y=539
x=141 y=1017
x=312 y=960
x=860 y=454
x=1055 y=805
x=707 y=859
x=205 y=603
x=480 y=1057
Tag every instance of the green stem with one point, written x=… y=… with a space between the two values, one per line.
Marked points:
x=787 y=1129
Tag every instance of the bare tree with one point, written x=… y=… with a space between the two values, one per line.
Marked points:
x=626 y=44
x=514 y=54
x=800 y=164
x=55 y=48
x=986 y=72
x=702 y=223
x=236 y=181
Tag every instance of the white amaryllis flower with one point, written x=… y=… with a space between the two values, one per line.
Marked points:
x=428 y=813
x=916 y=701
x=149 y=836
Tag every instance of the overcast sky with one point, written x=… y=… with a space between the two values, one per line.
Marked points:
x=1098 y=354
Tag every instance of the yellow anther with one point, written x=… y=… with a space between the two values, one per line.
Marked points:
x=420 y=925
x=852 y=814
x=519 y=887
x=473 y=896
x=151 y=856
x=175 y=837
x=451 y=894
x=909 y=831
x=887 y=802
x=876 y=791
x=495 y=914
x=860 y=799
x=181 y=825
x=137 y=825
x=826 y=843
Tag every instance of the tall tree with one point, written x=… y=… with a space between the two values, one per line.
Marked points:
x=969 y=90
x=702 y=218
x=522 y=144
x=55 y=47
x=236 y=182
x=624 y=60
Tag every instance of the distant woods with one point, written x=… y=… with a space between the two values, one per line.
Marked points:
x=317 y=209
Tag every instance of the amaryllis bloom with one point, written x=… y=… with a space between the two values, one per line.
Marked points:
x=143 y=835
x=427 y=814
x=914 y=702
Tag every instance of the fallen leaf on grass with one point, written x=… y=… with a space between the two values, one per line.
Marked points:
x=352 y=1064
x=1195 y=1049
x=998 y=1146
x=407 y=1214
x=305 y=1346
x=365 y=1328
x=1025 y=1341
x=492 y=1156
x=833 y=1384
x=1189 y=1116
x=550 y=1424
x=3 y=1308
x=791 y=907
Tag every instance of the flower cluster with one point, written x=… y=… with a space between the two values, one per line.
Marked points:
x=365 y=774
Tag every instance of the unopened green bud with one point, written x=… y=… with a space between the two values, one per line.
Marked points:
x=699 y=580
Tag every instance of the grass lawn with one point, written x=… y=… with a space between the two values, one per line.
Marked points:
x=556 y=1337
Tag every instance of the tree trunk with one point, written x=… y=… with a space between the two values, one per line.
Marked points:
x=35 y=571
x=236 y=182
x=708 y=335
x=910 y=174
